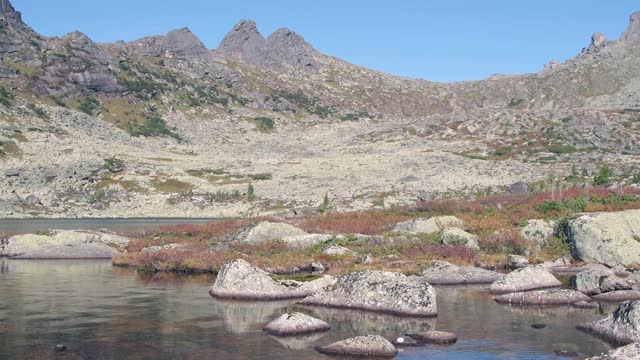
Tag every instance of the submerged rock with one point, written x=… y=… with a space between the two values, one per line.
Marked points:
x=428 y=225
x=239 y=280
x=293 y=324
x=629 y=352
x=62 y=244
x=367 y=346
x=606 y=238
x=528 y=278
x=378 y=291
x=623 y=326
x=444 y=273
x=543 y=297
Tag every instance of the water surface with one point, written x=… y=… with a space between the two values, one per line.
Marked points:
x=101 y=312
x=121 y=226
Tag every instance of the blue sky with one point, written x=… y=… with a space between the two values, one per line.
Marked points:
x=450 y=40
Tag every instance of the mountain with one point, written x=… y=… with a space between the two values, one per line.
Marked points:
x=191 y=127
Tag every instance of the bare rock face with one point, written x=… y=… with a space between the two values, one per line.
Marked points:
x=62 y=244
x=10 y=16
x=239 y=280
x=444 y=273
x=363 y=346
x=607 y=238
x=378 y=291
x=244 y=42
x=633 y=31
x=180 y=44
x=286 y=50
x=623 y=326
x=598 y=41
x=629 y=352
x=543 y=297
x=293 y=324
x=525 y=279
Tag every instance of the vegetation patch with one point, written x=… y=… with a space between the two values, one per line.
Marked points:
x=154 y=125
x=6 y=98
x=171 y=186
x=264 y=124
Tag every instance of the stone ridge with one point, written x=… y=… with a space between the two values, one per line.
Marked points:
x=244 y=42
x=633 y=31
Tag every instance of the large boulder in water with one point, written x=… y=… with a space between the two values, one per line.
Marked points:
x=543 y=297
x=629 y=352
x=525 y=279
x=444 y=273
x=612 y=239
x=386 y=292
x=293 y=324
x=623 y=326
x=62 y=244
x=361 y=346
x=240 y=280
x=428 y=225
x=599 y=280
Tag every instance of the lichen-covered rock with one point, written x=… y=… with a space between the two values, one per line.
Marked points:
x=264 y=231
x=305 y=241
x=527 y=278
x=623 y=326
x=588 y=281
x=292 y=324
x=240 y=280
x=629 y=352
x=366 y=346
x=62 y=244
x=378 y=291
x=457 y=236
x=428 y=225
x=337 y=250
x=444 y=273
x=538 y=231
x=543 y=297
x=607 y=238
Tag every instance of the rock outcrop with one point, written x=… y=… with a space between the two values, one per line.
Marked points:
x=265 y=231
x=179 y=44
x=337 y=250
x=629 y=352
x=244 y=42
x=294 y=324
x=444 y=273
x=623 y=326
x=428 y=225
x=378 y=291
x=612 y=239
x=525 y=279
x=517 y=261
x=457 y=236
x=543 y=297
x=538 y=231
x=361 y=346
x=633 y=31
x=598 y=41
x=62 y=244
x=239 y=280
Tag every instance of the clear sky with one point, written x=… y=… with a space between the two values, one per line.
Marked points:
x=446 y=40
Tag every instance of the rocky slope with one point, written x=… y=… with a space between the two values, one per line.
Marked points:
x=164 y=126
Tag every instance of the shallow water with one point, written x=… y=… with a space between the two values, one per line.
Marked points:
x=24 y=226
x=101 y=312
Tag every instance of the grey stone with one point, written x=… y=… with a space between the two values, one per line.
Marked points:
x=293 y=324
x=12 y=173
x=633 y=31
x=435 y=337
x=364 y=346
x=337 y=250
x=618 y=296
x=527 y=278
x=517 y=261
x=378 y=291
x=243 y=42
x=588 y=281
x=538 y=231
x=598 y=41
x=267 y=231
x=444 y=273
x=428 y=225
x=607 y=238
x=456 y=236
x=542 y=297
x=62 y=244
x=518 y=188
x=239 y=280
x=629 y=352
x=622 y=326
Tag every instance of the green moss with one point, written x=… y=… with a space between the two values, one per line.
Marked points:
x=89 y=105
x=153 y=125
x=264 y=124
x=6 y=98
x=172 y=186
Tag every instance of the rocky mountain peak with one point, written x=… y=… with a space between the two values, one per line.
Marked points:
x=184 y=44
x=10 y=17
x=243 y=42
x=633 y=31
x=291 y=49
x=598 y=41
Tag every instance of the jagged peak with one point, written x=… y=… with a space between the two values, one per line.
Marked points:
x=11 y=17
x=77 y=37
x=633 y=31
x=243 y=42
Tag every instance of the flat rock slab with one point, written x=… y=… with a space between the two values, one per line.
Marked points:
x=444 y=273
x=629 y=352
x=362 y=346
x=623 y=326
x=617 y=296
x=525 y=279
x=294 y=324
x=241 y=281
x=63 y=244
x=378 y=291
x=435 y=337
x=543 y=297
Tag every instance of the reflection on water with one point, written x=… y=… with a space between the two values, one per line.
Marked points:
x=121 y=226
x=101 y=312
